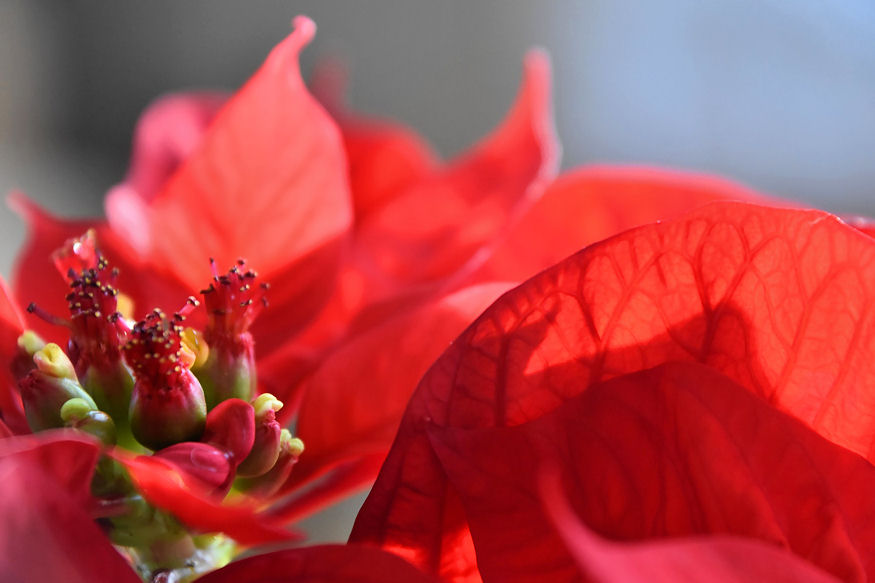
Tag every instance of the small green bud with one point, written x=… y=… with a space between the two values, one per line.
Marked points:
x=78 y=414
x=46 y=389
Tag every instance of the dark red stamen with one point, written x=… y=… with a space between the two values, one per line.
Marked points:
x=97 y=329
x=233 y=301
x=154 y=351
x=40 y=313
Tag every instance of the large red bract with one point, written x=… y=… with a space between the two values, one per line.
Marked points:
x=774 y=300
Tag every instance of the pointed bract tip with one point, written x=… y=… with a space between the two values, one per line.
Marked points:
x=303 y=30
x=537 y=61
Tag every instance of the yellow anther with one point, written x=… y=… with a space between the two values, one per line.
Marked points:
x=195 y=350
x=30 y=342
x=51 y=360
x=265 y=402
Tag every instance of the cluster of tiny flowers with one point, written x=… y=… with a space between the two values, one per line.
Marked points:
x=156 y=385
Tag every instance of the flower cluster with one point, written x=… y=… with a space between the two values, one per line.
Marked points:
x=593 y=376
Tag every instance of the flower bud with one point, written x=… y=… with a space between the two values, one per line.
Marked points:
x=166 y=414
x=78 y=414
x=167 y=404
x=233 y=301
x=204 y=462
x=227 y=377
x=28 y=344
x=97 y=328
x=231 y=428
x=266 y=485
x=48 y=387
x=268 y=431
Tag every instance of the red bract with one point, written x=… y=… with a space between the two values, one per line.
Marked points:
x=264 y=177
x=376 y=266
x=45 y=537
x=770 y=302
x=266 y=180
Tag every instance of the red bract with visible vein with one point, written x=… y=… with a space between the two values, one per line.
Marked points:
x=264 y=176
x=776 y=301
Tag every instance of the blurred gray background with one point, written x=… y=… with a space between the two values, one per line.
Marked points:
x=777 y=94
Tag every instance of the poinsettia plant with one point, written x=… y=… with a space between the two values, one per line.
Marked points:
x=694 y=388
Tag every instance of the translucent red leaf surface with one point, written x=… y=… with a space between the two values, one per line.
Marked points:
x=193 y=503
x=354 y=400
x=47 y=529
x=320 y=564
x=324 y=486
x=777 y=300
x=718 y=558
x=436 y=226
x=673 y=451
x=266 y=181
x=591 y=203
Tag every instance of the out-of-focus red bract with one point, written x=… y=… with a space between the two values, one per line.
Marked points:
x=321 y=564
x=45 y=536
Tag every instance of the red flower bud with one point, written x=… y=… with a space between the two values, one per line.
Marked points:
x=266 y=448
x=46 y=388
x=233 y=301
x=167 y=405
x=231 y=428
x=206 y=463
x=266 y=485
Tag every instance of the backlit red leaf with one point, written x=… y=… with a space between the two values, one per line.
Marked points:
x=777 y=300
x=718 y=558
x=434 y=228
x=354 y=401
x=266 y=183
x=678 y=450
x=592 y=203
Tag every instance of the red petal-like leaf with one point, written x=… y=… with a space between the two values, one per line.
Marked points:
x=438 y=225
x=332 y=483
x=592 y=203
x=167 y=132
x=47 y=534
x=384 y=157
x=320 y=564
x=164 y=486
x=11 y=327
x=266 y=183
x=778 y=300
x=202 y=461
x=231 y=427
x=673 y=451
x=719 y=559
x=354 y=401
x=67 y=456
